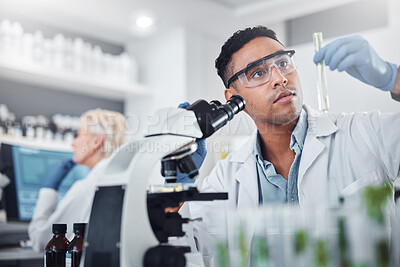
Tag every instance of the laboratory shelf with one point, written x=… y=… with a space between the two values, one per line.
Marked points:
x=34 y=143
x=68 y=81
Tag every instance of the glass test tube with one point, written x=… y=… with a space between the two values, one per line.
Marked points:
x=323 y=99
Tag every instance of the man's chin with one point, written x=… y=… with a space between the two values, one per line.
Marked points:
x=286 y=116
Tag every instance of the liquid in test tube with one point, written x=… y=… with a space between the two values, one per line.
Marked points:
x=323 y=98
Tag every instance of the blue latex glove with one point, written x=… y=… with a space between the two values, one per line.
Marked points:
x=57 y=173
x=198 y=156
x=354 y=55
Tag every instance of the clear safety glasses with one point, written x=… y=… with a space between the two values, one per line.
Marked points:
x=259 y=71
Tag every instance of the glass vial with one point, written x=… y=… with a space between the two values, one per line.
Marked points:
x=323 y=99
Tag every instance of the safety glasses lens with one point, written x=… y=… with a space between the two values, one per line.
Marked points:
x=260 y=71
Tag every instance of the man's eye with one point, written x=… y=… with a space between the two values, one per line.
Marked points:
x=258 y=74
x=283 y=64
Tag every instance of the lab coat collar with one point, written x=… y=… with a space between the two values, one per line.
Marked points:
x=246 y=150
x=248 y=188
x=93 y=174
x=319 y=125
x=100 y=164
x=324 y=121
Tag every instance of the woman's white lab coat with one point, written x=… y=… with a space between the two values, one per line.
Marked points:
x=75 y=207
x=342 y=154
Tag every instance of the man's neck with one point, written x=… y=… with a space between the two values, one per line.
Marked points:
x=275 y=140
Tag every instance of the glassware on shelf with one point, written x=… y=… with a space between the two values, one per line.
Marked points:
x=58 y=51
x=37 y=49
x=64 y=54
x=29 y=126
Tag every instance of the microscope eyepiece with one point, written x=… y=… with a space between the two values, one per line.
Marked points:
x=233 y=106
x=215 y=103
x=212 y=116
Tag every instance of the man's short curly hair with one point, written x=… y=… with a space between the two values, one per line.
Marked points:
x=236 y=42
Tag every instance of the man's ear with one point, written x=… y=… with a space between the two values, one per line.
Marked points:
x=228 y=94
x=99 y=140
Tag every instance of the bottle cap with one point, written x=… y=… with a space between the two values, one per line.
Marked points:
x=59 y=228
x=79 y=228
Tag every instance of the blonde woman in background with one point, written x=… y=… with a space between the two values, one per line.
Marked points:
x=101 y=133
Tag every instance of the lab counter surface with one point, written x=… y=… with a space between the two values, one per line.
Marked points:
x=21 y=257
x=11 y=253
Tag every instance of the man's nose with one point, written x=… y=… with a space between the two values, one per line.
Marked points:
x=277 y=78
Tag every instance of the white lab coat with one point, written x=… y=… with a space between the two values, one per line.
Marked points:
x=342 y=154
x=75 y=207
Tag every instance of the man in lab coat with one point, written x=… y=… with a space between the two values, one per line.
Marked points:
x=100 y=133
x=298 y=155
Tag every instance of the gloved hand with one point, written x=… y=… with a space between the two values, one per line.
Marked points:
x=198 y=156
x=354 y=55
x=57 y=173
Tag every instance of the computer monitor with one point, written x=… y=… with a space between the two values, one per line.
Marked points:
x=26 y=168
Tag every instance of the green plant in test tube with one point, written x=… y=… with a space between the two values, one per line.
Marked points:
x=300 y=241
x=323 y=99
x=222 y=254
x=243 y=249
x=375 y=199
x=321 y=254
x=343 y=244
x=382 y=253
x=260 y=251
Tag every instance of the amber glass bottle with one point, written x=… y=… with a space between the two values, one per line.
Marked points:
x=57 y=247
x=75 y=248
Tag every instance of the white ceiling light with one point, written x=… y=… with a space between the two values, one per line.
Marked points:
x=144 y=22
